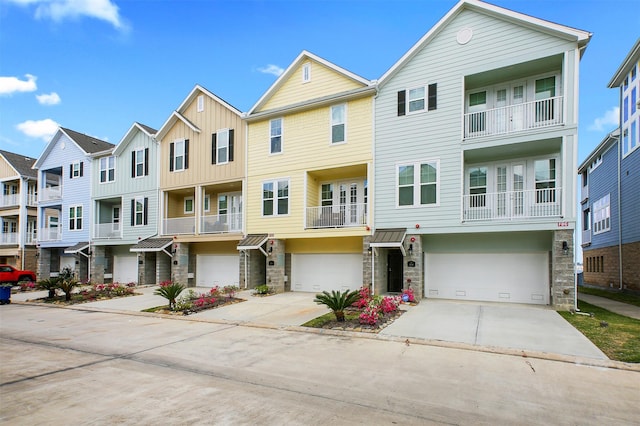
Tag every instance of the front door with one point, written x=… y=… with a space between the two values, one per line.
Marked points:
x=395 y=261
x=115 y=219
x=509 y=190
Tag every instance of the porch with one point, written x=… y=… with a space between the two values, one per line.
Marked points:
x=513 y=205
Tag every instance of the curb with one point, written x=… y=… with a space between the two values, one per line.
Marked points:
x=570 y=359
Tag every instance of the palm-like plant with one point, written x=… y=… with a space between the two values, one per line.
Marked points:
x=50 y=284
x=337 y=301
x=170 y=291
x=67 y=287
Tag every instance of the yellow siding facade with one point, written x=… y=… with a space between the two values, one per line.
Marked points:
x=6 y=171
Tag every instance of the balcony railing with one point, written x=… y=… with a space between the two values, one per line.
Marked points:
x=49 y=234
x=528 y=204
x=586 y=237
x=584 y=193
x=107 y=231
x=179 y=225
x=50 y=193
x=218 y=224
x=31 y=238
x=340 y=216
x=9 y=238
x=9 y=200
x=514 y=118
x=32 y=200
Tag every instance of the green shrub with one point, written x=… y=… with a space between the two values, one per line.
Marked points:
x=67 y=286
x=170 y=291
x=51 y=285
x=262 y=289
x=337 y=301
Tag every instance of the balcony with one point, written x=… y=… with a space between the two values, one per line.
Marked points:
x=31 y=238
x=514 y=118
x=9 y=200
x=179 y=225
x=50 y=193
x=586 y=237
x=341 y=216
x=536 y=203
x=219 y=224
x=49 y=234
x=32 y=200
x=8 y=238
x=584 y=193
x=109 y=231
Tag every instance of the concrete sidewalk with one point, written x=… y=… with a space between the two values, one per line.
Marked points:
x=625 y=309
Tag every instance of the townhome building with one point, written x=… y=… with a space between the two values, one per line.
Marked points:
x=64 y=202
x=124 y=199
x=610 y=195
x=202 y=187
x=475 y=152
x=17 y=210
x=309 y=174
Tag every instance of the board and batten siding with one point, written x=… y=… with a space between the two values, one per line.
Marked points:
x=324 y=82
x=214 y=117
x=437 y=134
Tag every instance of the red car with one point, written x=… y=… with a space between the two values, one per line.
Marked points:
x=9 y=274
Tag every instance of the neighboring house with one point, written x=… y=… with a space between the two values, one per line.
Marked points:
x=125 y=210
x=475 y=152
x=64 y=202
x=610 y=195
x=309 y=171
x=202 y=185
x=18 y=210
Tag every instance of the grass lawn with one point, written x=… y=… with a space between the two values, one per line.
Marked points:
x=329 y=317
x=620 y=340
x=624 y=297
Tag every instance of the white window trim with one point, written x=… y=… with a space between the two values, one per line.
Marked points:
x=106 y=170
x=200 y=103
x=218 y=133
x=143 y=165
x=416 y=184
x=175 y=156
x=331 y=124
x=594 y=214
x=75 y=219
x=73 y=167
x=206 y=203
x=281 y=136
x=135 y=212
x=184 y=205
x=306 y=72
x=275 y=197
x=425 y=99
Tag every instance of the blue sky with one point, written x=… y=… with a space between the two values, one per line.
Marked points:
x=96 y=66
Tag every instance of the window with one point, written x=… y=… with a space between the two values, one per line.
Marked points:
x=276 y=136
x=418 y=96
x=326 y=196
x=200 y=106
x=477 y=186
x=433 y=97
x=75 y=218
x=76 y=170
x=207 y=203
x=107 y=169
x=179 y=155
x=596 y=162
x=418 y=184
x=416 y=99
x=223 y=207
x=222 y=146
x=275 y=198
x=139 y=211
x=188 y=205
x=140 y=162
x=545 y=91
x=602 y=215
x=545 y=173
x=306 y=72
x=586 y=220
x=338 y=123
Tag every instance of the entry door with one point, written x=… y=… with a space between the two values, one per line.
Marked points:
x=115 y=219
x=235 y=209
x=517 y=107
x=395 y=271
x=509 y=189
x=501 y=111
x=351 y=202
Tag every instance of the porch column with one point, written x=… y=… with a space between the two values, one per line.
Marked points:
x=276 y=264
x=97 y=264
x=44 y=264
x=366 y=262
x=562 y=271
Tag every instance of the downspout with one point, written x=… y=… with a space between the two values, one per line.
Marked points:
x=620 y=142
x=372 y=187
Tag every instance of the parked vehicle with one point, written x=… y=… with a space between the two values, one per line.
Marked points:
x=9 y=274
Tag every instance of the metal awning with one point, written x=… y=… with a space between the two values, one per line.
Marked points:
x=389 y=238
x=152 y=245
x=78 y=248
x=253 y=242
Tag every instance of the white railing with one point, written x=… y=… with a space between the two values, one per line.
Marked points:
x=340 y=216
x=586 y=237
x=584 y=193
x=31 y=238
x=514 y=118
x=9 y=238
x=179 y=225
x=50 y=193
x=107 y=230
x=9 y=200
x=49 y=234
x=217 y=224
x=32 y=199
x=513 y=205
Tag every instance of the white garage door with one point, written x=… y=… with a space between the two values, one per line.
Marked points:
x=217 y=270
x=319 y=272
x=498 y=277
x=125 y=269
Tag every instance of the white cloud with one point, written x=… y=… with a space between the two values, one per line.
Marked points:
x=272 y=69
x=51 y=99
x=60 y=10
x=10 y=85
x=611 y=118
x=44 y=129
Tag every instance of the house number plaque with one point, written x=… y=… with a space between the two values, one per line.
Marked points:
x=411 y=264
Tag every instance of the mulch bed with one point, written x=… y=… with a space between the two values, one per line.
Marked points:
x=195 y=309
x=77 y=299
x=354 y=324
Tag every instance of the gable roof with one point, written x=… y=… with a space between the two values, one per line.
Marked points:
x=581 y=37
x=625 y=67
x=303 y=56
x=87 y=144
x=128 y=137
x=177 y=114
x=20 y=163
x=602 y=147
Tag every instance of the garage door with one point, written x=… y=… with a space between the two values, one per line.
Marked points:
x=125 y=269
x=497 y=277
x=319 y=272
x=217 y=270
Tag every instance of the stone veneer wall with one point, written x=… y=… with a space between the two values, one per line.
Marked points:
x=97 y=264
x=180 y=264
x=413 y=276
x=366 y=262
x=44 y=264
x=562 y=271
x=255 y=268
x=276 y=272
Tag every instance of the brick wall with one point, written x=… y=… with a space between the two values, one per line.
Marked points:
x=631 y=266
x=601 y=267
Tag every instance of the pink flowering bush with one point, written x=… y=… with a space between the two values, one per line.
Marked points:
x=370 y=315
x=389 y=304
x=365 y=297
x=409 y=293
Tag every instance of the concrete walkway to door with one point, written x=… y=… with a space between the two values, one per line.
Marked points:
x=514 y=326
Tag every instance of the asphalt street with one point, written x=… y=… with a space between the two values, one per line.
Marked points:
x=63 y=366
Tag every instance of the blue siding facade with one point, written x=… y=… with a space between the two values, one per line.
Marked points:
x=630 y=195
